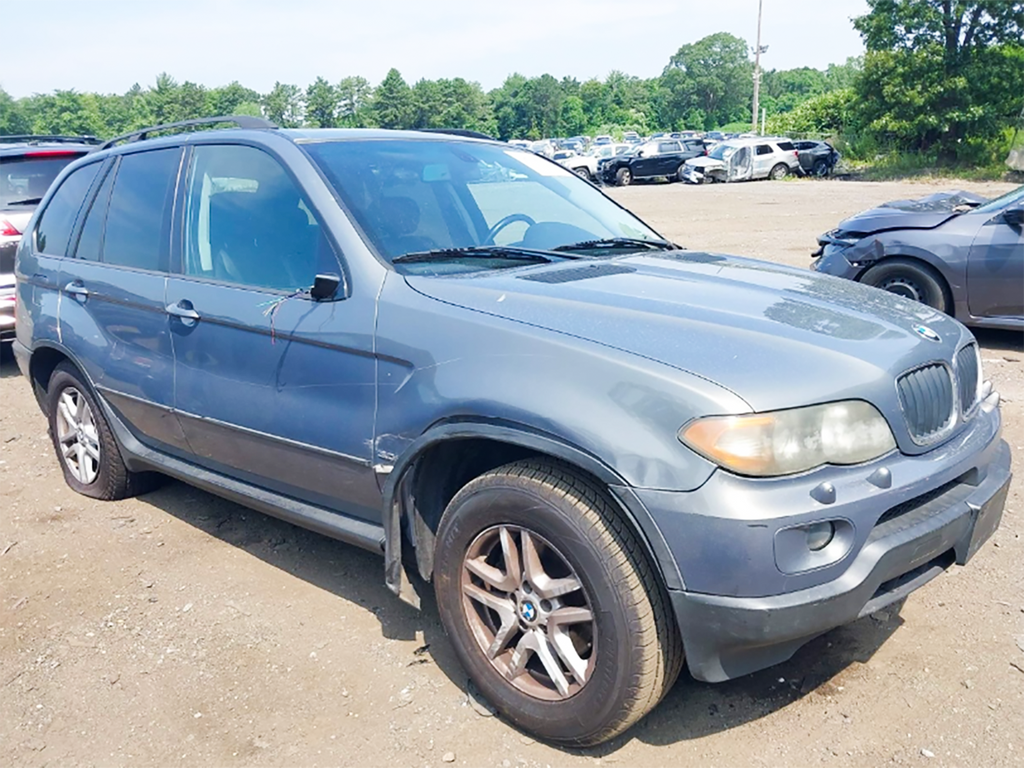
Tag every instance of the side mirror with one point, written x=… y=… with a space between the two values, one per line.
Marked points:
x=1014 y=216
x=324 y=287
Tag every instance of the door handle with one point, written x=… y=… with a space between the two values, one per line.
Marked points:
x=183 y=311
x=77 y=290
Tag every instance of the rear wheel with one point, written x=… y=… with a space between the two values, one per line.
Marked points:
x=551 y=604
x=623 y=177
x=911 y=280
x=86 y=449
x=780 y=171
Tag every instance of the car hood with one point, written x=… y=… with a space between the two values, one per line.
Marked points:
x=923 y=213
x=775 y=336
x=704 y=162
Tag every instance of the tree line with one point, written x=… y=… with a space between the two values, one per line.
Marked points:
x=939 y=77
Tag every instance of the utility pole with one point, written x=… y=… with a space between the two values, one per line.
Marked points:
x=757 y=67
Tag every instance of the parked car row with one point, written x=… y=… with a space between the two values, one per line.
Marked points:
x=609 y=455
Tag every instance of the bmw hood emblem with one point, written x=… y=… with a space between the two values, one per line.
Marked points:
x=926 y=333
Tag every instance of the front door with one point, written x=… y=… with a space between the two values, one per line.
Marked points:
x=271 y=387
x=995 y=270
x=112 y=308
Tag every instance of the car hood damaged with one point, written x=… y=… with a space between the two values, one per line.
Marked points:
x=775 y=336
x=923 y=213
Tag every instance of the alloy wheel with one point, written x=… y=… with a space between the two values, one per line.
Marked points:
x=77 y=436
x=529 y=612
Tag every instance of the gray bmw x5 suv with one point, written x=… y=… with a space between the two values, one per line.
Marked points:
x=610 y=455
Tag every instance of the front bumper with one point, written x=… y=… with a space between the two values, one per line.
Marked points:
x=834 y=258
x=739 y=612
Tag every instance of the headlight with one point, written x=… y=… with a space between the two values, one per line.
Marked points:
x=786 y=442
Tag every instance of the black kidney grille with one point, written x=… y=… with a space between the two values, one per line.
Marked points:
x=927 y=399
x=967 y=377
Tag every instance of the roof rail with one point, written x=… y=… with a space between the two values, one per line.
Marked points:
x=34 y=138
x=458 y=132
x=242 y=121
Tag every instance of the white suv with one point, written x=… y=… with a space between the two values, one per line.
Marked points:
x=744 y=160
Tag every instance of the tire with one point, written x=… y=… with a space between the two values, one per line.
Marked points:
x=86 y=449
x=821 y=168
x=623 y=639
x=780 y=171
x=583 y=173
x=911 y=280
x=623 y=177
x=680 y=171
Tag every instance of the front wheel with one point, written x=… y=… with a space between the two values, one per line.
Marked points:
x=780 y=171
x=681 y=172
x=583 y=173
x=551 y=604
x=911 y=280
x=623 y=177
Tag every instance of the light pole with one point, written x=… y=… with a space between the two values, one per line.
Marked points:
x=757 y=67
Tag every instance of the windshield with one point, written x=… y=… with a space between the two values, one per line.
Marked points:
x=992 y=206
x=721 y=152
x=24 y=177
x=411 y=196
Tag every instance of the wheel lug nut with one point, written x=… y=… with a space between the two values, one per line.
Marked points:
x=545 y=605
x=527 y=588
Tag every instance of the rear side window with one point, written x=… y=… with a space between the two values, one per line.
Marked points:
x=139 y=214
x=91 y=239
x=764 y=149
x=786 y=146
x=58 y=219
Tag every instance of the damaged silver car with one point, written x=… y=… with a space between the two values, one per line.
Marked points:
x=954 y=251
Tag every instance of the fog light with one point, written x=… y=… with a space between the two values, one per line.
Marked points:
x=820 y=535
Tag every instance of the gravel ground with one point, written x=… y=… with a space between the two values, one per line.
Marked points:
x=180 y=629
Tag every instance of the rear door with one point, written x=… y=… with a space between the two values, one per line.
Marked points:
x=112 y=309
x=271 y=387
x=764 y=159
x=39 y=286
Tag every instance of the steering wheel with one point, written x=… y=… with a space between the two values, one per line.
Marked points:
x=512 y=218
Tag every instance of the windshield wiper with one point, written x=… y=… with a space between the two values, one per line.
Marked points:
x=511 y=253
x=26 y=201
x=619 y=243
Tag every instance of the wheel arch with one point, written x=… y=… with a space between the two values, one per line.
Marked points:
x=43 y=360
x=448 y=455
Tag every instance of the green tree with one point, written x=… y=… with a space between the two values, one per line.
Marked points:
x=227 y=99
x=283 y=105
x=355 y=95
x=940 y=76
x=13 y=120
x=712 y=75
x=322 y=104
x=393 y=102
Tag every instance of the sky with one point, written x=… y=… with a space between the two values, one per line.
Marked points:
x=107 y=45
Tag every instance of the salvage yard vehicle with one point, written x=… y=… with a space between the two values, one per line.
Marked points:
x=610 y=455
x=27 y=166
x=743 y=160
x=817 y=158
x=663 y=158
x=956 y=252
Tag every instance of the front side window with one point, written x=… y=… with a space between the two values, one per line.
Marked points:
x=58 y=219
x=248 y=223
x=139 y=212
x=419 y=195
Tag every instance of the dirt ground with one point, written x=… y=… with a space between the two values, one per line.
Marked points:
x=180 y=629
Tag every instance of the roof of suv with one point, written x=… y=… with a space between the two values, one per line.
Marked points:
x=21 y=145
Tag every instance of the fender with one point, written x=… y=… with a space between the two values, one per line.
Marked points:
x=395 y=500
x=56 y=346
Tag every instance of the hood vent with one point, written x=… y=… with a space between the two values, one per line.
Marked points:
x=582 y=272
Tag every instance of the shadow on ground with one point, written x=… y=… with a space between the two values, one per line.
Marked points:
x=690 y=711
